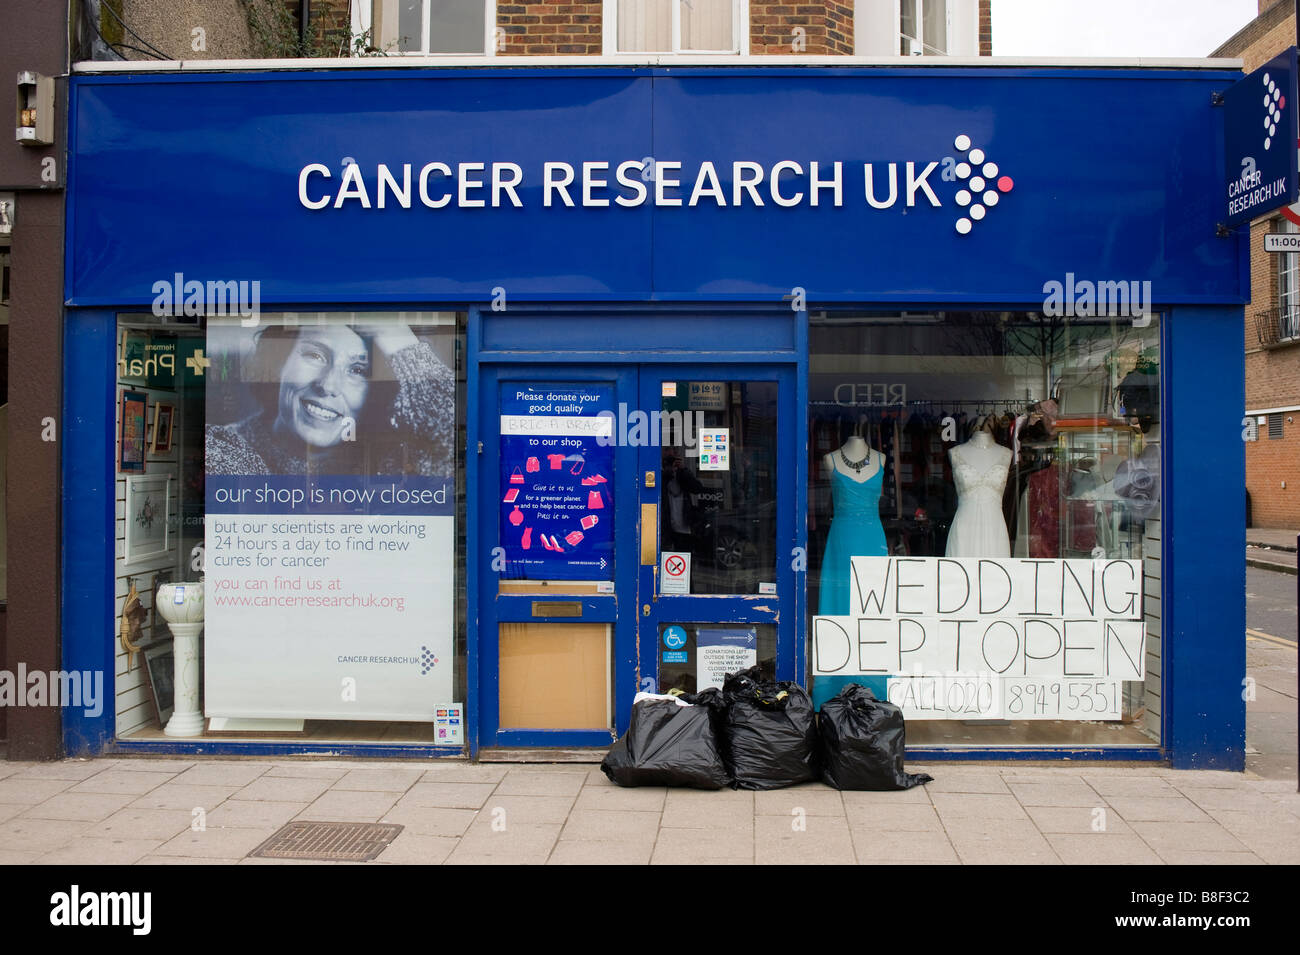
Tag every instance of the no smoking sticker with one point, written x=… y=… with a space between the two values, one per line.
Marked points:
x=674 y=572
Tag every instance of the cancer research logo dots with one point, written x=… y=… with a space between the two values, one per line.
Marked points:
x=1274 y=103
x=981 y=184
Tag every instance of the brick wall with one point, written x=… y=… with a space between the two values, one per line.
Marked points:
x=549 y=29
x=1272 y=375
x=801 y=28
x=986 y=28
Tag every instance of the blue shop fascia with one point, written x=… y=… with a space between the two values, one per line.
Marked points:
x=499 y=395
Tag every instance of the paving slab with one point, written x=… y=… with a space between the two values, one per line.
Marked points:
x=176 y=795
x=283 y=789
x=86 y=807
x=350 y=806
x=608 y=826
x=531 y=782
x=883 y=847
x=1157 y=809
x=1055 y=794
x=131 y=781
x=430 y=821
x=815 y=799
x=638 y=799
x=1050 y=819
x=215 y=843
x=395 y=779
x=571 y=852
x=812 y=840
x=519 y=843
x=1102 y=849
x=978 y=805
x=40 y=835
x=23 y=790
x=905 y=817
x=132 y=823
x=703 y=847
x=246 y=814
x=411 y=848
x=90 y=851
x=1202 y=836
x=1197 y=857
x=448 y=795
x=1146 y=784
x=237 y=775
x=531 y=810
x=70 y=769
x=968 y=783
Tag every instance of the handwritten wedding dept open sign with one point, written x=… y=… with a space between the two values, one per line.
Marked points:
x=972 y=638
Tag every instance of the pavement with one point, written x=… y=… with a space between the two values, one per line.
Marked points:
x=165 y=811
x=124 y=811
x=1271 y=549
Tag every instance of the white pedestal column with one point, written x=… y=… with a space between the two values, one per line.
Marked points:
x=186 y=719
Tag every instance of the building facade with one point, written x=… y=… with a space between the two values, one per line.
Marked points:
x=1272 y=326
x=432 y=406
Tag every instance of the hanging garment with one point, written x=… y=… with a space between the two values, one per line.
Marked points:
x=855 y=532
x=979 y=528
x=1044 y=510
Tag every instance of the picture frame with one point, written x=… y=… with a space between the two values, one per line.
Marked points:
x=160 y=666
x=132 y=349
x=163 y=420
x=148 y=518
x=132 y=432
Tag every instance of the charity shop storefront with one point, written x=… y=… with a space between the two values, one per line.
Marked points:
x=436 y=412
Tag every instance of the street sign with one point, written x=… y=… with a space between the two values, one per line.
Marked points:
x=1260 y=141
x=1282 y=242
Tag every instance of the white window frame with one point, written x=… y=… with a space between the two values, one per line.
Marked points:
x=361 y=21
x=926 y=48
x=1288 y=287
x=739 y=32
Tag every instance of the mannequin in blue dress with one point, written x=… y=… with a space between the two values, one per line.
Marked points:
x=857 y=475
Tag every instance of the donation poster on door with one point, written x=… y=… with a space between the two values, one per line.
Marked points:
x=330 y=525
x=557 y=470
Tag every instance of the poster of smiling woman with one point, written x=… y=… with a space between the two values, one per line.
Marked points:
x=330 y=522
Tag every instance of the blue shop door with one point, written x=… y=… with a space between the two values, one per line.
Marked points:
x=718 y=524
x=557 y=523
x=639 y=525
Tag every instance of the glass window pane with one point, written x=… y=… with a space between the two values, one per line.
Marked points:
x=718 y=493
x=694 y=656
x=908 y=28
x=410 y=13
x=991 y=438
x=645 y=26
x=456 y=26
x=707 y=25
x=936 y=26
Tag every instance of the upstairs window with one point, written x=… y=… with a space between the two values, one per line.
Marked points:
x=923 y=27
x=676 y=26
x=427 y=27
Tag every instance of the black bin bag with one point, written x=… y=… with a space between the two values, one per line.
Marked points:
x=769 y=732
x=862 y=743
x=667 y=744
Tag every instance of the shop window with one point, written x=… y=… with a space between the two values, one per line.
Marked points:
x=1018 y=453
x=677 y=26
x=302 y=469
x=427 y=27
x=923 y=27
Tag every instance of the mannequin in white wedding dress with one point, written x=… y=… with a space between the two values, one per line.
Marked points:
x=979 y=469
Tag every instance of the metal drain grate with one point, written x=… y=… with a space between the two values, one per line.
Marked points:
x=329 y=841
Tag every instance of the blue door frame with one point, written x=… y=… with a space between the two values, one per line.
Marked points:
x=782 y=610
x=634 y=610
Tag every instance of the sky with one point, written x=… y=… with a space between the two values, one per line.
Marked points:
x=1126 y=28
